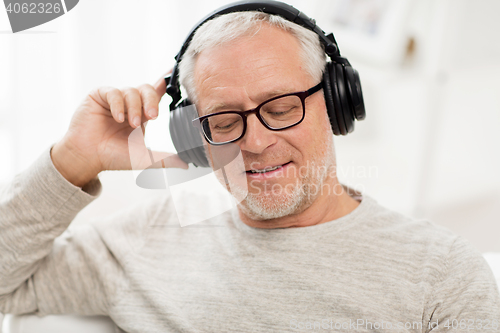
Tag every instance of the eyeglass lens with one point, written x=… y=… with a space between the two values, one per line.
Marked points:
x=276 y=114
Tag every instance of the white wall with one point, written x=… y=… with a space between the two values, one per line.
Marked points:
x=433 y=122
x=428 y=145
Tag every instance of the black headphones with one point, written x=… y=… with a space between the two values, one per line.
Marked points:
x=341 y=84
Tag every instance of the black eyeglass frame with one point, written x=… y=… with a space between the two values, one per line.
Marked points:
x=244 y=114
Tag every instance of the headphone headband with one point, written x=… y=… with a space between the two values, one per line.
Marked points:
x=341 y=84
x=270 y=7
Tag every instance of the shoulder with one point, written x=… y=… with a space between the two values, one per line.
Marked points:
x=437 y=248
x=424 y=245
x=453 y=273
x=382 y=222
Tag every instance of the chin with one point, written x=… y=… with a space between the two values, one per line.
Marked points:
x=269 y=205
x=287 y=201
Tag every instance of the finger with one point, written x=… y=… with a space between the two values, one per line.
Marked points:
x=160 y=85
x=110 y=99
x=143 y=128
x=150 y=101
x=133 y=105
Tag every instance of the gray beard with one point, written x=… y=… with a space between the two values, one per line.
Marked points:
x=269 y=205
x=272 y=206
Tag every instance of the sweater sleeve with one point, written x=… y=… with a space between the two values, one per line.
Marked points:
x=465 y=296
x=37 y=272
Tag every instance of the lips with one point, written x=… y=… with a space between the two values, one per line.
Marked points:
x=266 y=169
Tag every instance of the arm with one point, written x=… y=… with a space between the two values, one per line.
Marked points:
x=77 y=272
x=35 y=208
x=48 y=269
x=465 y=293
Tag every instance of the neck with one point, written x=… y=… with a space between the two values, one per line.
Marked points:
x=327 y=207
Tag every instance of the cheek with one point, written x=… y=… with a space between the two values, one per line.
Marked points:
x=322 y=115
x=319 y=136
x=312 y=136
x=318 y=123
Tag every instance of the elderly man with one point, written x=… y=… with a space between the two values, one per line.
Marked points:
x=289 y=257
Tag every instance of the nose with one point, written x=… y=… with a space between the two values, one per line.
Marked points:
x=257 y=138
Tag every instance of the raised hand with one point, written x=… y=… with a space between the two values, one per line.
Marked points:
x=98 y=136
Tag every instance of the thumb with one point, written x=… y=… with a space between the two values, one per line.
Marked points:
x=160 y=85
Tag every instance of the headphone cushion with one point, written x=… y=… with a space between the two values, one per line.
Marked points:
x=330 y=107
x=336 y=98
x=355 y=93
x=347 y=110
x=186 y=138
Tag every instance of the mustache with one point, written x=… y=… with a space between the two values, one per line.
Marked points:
x=270 y=158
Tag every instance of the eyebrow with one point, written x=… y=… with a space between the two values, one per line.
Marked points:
x=215 y=108
x=263 y=97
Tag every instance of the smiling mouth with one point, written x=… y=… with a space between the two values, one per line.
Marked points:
x=266 y=169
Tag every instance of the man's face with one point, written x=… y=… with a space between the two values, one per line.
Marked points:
x=240 y=75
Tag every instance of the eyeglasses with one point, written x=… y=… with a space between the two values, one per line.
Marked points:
x=276 y=114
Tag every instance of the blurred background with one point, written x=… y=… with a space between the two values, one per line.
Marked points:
x=430 y=71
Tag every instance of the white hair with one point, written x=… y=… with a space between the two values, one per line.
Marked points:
x=228 y=27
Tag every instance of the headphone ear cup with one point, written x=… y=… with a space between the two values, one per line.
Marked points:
x=186 y=138
x=330 y=107
x=347 y=113
x=355 y=92
x=337 y=100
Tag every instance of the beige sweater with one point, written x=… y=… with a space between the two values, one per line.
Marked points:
x=372 y=270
